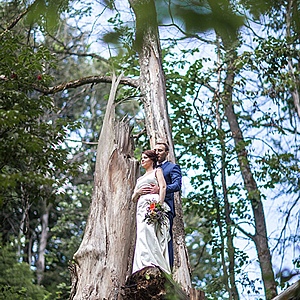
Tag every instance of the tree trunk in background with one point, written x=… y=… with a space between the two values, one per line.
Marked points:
x=231 y=278
x=292 y=6
x=153 y=90
x=260 y=236
x=104 y=257
x=24 y=229
x=40 y=264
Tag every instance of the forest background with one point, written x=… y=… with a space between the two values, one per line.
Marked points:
x=57 y=58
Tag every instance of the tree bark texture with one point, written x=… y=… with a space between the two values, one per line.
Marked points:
x=104 y=257
x=153 y=92
x=260 y=236
x=152 y=80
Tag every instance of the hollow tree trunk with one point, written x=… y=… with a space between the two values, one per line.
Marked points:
x=153 y=90
x=104 y=257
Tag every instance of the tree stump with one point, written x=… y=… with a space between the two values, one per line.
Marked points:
x=151 y=283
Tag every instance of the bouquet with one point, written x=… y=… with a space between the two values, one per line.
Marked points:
x=156 y=213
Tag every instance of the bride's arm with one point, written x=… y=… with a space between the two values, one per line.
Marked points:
x=136 y=195
x=162 y=185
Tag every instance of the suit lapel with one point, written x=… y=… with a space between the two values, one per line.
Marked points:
x=164 y=166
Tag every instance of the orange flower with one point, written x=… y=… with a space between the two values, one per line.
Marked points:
x=152 y=206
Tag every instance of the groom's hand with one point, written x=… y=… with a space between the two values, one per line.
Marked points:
x=150 y=189
x=154 y=189
x=145 y=190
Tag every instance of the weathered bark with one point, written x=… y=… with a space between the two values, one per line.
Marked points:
x=104 y=257
x=153 y=89
x=260 y=237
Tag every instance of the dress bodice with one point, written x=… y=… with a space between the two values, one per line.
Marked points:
x=147 y=179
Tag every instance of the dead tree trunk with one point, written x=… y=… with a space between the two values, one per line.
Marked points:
x=104 y=257
x=153 y=90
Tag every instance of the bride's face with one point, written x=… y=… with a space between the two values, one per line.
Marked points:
x=146 y=162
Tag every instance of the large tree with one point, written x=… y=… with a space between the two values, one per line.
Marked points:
x=105 y=203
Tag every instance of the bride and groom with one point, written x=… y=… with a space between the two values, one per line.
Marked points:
x=154 y=243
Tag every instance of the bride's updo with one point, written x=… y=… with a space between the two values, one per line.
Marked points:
x=152 y=155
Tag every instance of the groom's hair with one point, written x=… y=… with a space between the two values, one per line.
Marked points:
x=165 y=144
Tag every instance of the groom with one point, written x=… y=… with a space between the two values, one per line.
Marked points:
x=172 y=174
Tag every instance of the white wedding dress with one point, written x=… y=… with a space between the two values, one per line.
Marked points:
x=151 y=247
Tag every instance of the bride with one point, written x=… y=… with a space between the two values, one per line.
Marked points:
x=151 y=247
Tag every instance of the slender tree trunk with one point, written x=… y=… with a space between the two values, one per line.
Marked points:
x=28 y=247
x=294 y=92
x=153 y=90
x=104 y=257
x=229 y=236
x=260 y=237
x=231 y=280
x=232 y=289
x=24 y=229
x=40 y=264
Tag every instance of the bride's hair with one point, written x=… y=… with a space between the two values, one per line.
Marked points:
x=152 y=155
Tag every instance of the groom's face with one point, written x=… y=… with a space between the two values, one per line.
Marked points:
x=161 y=152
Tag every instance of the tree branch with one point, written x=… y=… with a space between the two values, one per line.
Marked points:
x=15 y=21
x=83 y=81
x=93 y=55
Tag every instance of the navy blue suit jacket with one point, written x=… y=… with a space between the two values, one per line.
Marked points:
x=173 y=178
